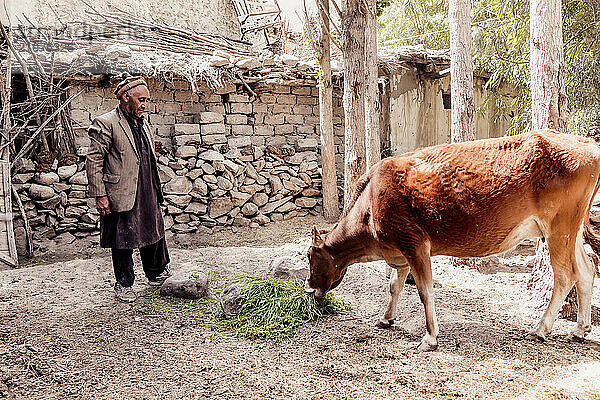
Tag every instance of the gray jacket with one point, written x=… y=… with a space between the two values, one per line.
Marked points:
x=112 y=162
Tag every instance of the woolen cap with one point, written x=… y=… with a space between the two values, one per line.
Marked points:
x=129 y=83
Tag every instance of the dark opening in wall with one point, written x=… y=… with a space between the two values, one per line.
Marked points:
x=447 y=99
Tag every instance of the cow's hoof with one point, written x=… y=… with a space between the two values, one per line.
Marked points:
x=535 y=337
x=575 y=338
x=578 y=334
x=427 y=345
x=385 y=323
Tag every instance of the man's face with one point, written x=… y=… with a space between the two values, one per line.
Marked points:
x=134 y=101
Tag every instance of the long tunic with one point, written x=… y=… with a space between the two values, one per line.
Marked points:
x=142 y=225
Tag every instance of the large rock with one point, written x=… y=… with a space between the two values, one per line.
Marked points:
x=261 y=219
x=23 y=165
x=180 y=201
x=270 y=207
x=220 y=206
x=196 y=208
x=22 y=178
x=231 y=301
x=90 y=218
x=178 y=185
x=186 y=284
x=241 y=221
x=49 y=204
x=289 y=267
x=185 y=129
x=67 y=171
x=47 y=178
x=211 y=155
x=208 y=169
x=79 y=178
x=305 y=202
x=41 y=192
x=224 y=183
x=186 y=152
x=236 y=169
x=165 y=173
x=199 y=187
x=249 y=209
x=239 y=198
x=260 y=199
x=20 y=240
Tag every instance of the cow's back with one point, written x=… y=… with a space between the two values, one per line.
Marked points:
x=466 y=198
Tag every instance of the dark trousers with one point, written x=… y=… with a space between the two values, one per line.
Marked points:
x=155 y=258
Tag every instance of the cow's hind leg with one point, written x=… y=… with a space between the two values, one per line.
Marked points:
x=562 y=258
x=397 y=279
x=584 y=275
x=421 y=269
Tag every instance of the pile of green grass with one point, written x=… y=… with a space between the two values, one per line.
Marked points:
x=274 y=309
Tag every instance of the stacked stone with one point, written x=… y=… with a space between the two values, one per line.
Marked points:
x=55 y=201
x=239 y=185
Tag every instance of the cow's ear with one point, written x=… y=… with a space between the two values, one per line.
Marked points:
x=316 y=236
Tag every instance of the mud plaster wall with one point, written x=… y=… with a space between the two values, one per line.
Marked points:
x=418 y=117
x=211 y=16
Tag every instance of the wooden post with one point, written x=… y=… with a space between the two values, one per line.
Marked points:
x=372 y=104
x=8 y=248
x=331 y=209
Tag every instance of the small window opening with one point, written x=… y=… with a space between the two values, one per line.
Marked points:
x=447 y=99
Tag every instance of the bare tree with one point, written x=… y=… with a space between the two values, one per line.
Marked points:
x=330 y=193
x=372 y=104
x=548 y=110
x=461 y=71
x=353 y=48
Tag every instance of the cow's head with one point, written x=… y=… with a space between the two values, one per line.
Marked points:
x=324 y=273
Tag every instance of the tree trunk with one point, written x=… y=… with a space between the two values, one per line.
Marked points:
x=461 y=83
x=461 y=71
x=331 y=209
x=547 y=66
x=548 y=110
x=372 y=104
x=353 y=48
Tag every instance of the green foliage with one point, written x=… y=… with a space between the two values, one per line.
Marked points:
x=411 y=22
x=501 y=48
x=273 y=308
x=381 y=5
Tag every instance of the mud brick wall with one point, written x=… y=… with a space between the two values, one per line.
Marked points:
x=226 y=158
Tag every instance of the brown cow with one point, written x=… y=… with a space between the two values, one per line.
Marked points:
x=469 y=199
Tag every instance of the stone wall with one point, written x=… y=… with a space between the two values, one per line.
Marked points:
x=224 y=159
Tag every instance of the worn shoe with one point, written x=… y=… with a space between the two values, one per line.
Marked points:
x=160 y=278
x=124 y=294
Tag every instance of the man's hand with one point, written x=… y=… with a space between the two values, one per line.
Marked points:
x=102 y=205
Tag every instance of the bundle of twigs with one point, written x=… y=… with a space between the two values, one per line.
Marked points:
x=118 y=26
x=40 y=124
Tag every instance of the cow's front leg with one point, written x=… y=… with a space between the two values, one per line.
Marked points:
x=421 y=269
x=397 y=279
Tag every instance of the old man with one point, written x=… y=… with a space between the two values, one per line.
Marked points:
x=123 y=178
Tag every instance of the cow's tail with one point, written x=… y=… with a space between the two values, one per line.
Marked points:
x=589 y=235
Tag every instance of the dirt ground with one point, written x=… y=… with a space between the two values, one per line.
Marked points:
x=64 y=336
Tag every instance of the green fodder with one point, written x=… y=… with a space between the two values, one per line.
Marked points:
x=273 y=308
